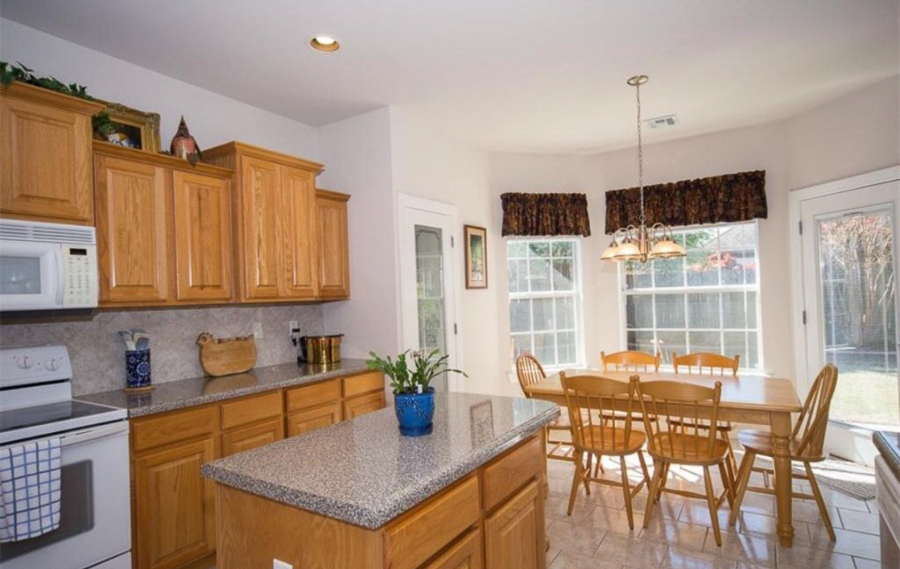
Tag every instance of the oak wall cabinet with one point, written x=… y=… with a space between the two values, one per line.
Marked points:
x=45 y=155
x=275 y=229
x=334 y=247
x=164 y=229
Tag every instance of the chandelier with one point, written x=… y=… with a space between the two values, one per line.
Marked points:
x=640 y=243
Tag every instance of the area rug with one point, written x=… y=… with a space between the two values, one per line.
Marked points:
x=844 y=476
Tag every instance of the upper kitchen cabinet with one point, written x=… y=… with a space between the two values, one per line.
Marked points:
x=334 y=247
x=45 y=155
x=164 y=229
x=275 y=230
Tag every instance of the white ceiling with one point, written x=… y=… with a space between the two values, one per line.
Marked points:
x=523 y=75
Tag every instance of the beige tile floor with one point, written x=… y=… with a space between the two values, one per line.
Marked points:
x=679 y=535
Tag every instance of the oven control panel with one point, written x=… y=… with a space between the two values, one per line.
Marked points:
x=34 y=365
x=80 y=285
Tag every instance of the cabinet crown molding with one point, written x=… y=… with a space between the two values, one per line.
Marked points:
x=52 y=98
x=244 y=149
x=163 y=160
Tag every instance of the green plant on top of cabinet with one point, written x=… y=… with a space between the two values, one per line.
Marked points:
x=275 y=230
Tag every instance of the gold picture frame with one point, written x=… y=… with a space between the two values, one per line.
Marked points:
x=133 y=128
x=476 y=256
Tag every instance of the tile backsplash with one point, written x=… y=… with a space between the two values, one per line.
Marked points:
x=98 y=354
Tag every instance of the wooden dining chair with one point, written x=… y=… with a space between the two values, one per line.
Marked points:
x=806 y=446
x=630 y=361
x=663 y=403
x=703 y=363
x=529 y=371
x=589 y=398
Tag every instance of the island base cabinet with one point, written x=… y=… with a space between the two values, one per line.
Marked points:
x=464 y=554
x=175 y=517
x=514 y=534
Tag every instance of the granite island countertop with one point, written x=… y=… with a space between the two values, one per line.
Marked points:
x=364 y=472
x=888 y=444
x=173 y=395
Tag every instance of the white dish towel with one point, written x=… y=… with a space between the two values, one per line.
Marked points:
x=29 y=489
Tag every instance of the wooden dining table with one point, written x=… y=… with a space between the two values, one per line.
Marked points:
x=756 y=400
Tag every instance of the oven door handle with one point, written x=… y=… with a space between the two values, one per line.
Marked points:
x=94 y=433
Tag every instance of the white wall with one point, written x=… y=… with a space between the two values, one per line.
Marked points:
x=357 y=155
x=211 y=118
x=428 y=164
x=856 y=134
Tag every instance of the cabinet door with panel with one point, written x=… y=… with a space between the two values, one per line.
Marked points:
x=262 y=249
x=464 y=554
x=203 y=250
x=357 y=406
x=246 y=438
x=299 y=194
x=174 y=505
x=131 y=231
x=315 y=418
x=514 y=534
x=45 y=155
x=332 y=239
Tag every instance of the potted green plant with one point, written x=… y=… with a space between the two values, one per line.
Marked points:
x=411 y=384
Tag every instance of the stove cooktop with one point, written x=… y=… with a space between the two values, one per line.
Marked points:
x=54 y=418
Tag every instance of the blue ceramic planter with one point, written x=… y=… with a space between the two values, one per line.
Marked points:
x=414 y=412
x=137 y=368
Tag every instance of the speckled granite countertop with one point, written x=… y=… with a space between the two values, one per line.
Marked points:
x=888 y=444
x=174 y=395
x=366 y=473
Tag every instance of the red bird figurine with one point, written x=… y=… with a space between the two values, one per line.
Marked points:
x=184 y=146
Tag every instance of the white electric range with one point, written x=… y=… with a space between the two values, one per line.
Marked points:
x=95 y=513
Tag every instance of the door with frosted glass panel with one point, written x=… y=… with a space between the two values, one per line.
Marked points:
x=427 y=281
x=849 y=265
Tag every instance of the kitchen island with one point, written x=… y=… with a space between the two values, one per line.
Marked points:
x=358 y=494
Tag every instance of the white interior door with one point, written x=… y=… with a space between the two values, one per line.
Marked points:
x=429 y=280
x=849 y=250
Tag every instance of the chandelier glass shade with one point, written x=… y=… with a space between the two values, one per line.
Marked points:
x=638 y=242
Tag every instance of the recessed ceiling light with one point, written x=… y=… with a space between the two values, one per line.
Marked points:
x=324 y=43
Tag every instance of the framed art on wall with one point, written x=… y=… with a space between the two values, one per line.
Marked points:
x=476 y=257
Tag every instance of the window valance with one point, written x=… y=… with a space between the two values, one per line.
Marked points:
x=545 y=214
x=717 y=199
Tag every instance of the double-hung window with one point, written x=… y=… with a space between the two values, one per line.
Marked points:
x=545 y=300
x=707 y=301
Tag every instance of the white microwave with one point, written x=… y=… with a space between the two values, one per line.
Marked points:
x=47 y=266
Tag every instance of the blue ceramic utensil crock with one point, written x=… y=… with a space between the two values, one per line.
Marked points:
x=414 y=412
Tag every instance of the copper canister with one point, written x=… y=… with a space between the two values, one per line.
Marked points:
x=321 y=350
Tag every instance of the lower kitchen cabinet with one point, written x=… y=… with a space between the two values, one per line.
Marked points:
x=357 y=406
x=513 y=535
x=174 y=514
x=247 y=438
x=312 y=419
x=464 y=554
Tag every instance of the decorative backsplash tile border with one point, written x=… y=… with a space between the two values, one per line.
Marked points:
x=98 y=354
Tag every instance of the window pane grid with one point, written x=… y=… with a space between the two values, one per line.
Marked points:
x=705 y=301
x=543 y=276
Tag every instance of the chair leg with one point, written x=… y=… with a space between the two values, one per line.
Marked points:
x=627 y=491
x=743 y=479
x=644 y=468
x=662 y=482
x=576 y=480
x=726 y=481
x=587 y=472
x=654 y=482
x=713 y=509
x=823 y=510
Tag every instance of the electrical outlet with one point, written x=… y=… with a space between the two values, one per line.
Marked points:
x=279 y=564
x=294 y=332
x=258 y=331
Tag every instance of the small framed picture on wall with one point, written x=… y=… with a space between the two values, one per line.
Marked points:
x=476 y=257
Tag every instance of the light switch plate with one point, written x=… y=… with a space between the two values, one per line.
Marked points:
x=279 y=564
x=258 y=331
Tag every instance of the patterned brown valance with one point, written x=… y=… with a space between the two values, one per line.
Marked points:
x=717 y=199
x=545 y=214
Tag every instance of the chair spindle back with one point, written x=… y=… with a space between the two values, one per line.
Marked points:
x=529 y=371
x=685 y=404
x=591 y=401
x=630 y=361
x=809 y=430
x=713 y=364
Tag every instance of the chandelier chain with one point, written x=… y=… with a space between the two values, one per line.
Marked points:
x=640 y=153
